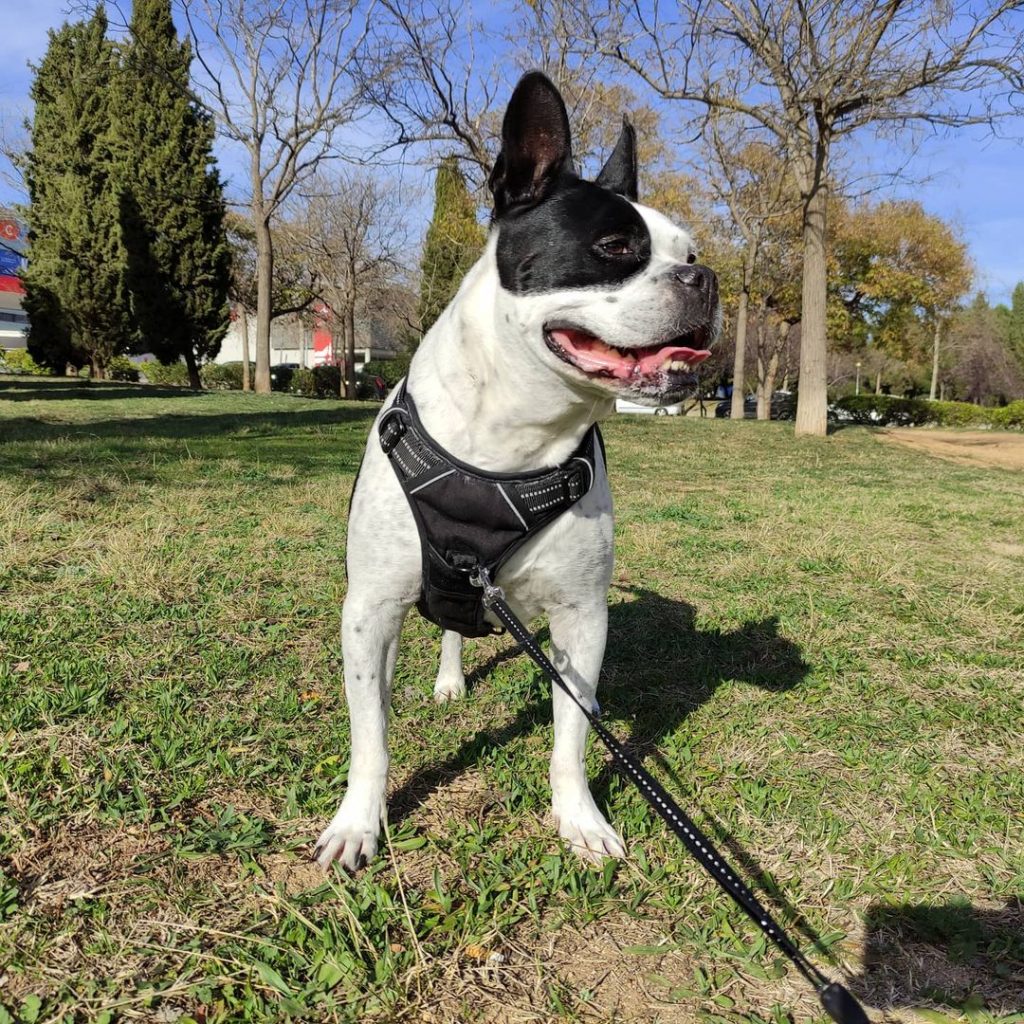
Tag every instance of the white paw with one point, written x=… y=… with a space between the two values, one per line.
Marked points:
x=350 y=839
x=587 y=832
x=449 y=689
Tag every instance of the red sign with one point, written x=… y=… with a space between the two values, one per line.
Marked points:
x=9 y=230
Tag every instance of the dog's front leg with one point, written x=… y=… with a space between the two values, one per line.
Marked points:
x=577 y=650
x=370 y=630
x=451 y=682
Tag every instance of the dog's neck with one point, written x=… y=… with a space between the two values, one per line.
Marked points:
x=488 y=399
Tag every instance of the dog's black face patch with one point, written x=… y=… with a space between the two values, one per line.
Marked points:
x=580 y=236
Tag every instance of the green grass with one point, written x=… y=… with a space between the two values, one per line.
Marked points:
x=817 y=645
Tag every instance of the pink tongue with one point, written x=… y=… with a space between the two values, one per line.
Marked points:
x=592 y=355
x=651 y=363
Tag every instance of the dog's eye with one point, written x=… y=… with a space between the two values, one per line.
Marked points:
x=691 y=257
x=616 y=245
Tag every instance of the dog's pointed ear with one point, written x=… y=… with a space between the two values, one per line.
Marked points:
x=619 y=173
x=535 y=144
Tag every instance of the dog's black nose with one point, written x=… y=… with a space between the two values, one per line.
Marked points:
x=696 y=275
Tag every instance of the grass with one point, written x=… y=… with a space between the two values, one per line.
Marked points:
x=817 y=645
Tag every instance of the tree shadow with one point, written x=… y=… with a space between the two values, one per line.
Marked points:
x=45 y=389
x=951 y=954
x=659 y=667
x=182 y=425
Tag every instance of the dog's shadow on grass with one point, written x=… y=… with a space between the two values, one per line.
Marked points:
x=962 y=958
x=658 y=668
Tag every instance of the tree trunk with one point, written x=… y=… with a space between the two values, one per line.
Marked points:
x=194 y=381
x=243 y=319
x=765 y=412
x=812 y=403
x=878 y=383
x=350 y=349
x=762 y=366
x=739 y=363
x=264 y=280
x=773 y=365
x=935 y=359
x=96 y=371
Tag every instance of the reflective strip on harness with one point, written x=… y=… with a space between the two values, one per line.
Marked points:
x=467 y=517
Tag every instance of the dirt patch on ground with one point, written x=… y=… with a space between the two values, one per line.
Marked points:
x=968 y=447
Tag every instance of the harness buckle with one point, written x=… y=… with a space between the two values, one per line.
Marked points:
x=480 y=577
x=392 y=429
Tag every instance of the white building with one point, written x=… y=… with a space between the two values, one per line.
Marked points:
x=299 y=343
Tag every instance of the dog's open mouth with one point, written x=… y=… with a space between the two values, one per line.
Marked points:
x=596 y=358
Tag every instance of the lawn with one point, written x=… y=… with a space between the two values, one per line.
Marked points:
x=818 y=646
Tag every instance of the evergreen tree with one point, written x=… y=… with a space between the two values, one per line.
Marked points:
x=171 y=197
x=1015 y=323
x=75 y=282
x=453 y=244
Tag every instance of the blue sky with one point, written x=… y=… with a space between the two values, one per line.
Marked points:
x=967 y=178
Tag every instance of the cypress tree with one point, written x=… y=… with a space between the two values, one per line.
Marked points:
x=1015 y=323
x=75 y=282
x=453 y=244
x=171 y=197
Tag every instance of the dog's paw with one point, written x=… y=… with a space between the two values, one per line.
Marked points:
x=349 y=839
x=589 y=835
x=449 y=689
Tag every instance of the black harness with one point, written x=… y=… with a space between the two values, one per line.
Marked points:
x=468 y=518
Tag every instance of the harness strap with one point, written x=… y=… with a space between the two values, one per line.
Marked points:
x=837 y=1001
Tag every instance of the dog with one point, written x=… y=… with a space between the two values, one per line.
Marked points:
x=581 y=295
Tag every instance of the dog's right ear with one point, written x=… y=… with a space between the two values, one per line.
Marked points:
x=619 y=173
x=535 y=144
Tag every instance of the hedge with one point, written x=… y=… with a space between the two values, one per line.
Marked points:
x=175 y=374
x=17 y=360
x=122 y=368
x=886 y=411
x=319 y=382
x=225 y=376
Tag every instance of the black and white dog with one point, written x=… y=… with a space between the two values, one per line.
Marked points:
x=581 y=296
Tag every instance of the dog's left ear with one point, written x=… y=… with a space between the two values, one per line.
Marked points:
x=535 y=144
x=619 y=173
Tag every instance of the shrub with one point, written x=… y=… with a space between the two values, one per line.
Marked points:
x=175 y=374
x=17 y=360
x=1009 y=416
x=319 y=382
x=886 y=411
x=225 y=376
x=122 y=368
x=961 y=414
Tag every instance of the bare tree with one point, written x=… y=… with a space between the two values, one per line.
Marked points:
x=810 y=73
x=355 y=236
x=421 y=71
x=749 y=178
x=279 y=77
x=295 y=284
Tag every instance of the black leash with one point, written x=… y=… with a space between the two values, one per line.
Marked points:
x=837 y=1001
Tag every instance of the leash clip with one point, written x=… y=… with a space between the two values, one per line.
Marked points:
x=480 y=577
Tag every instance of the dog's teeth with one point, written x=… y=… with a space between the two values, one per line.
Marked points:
x=676 y=364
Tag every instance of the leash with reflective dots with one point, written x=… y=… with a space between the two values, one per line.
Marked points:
x=837 y=1001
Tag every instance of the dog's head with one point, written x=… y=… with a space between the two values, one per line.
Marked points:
x=608 y=291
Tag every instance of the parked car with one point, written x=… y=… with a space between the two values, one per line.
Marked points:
x=622 y=405
x=783 y=407
x=281 y=375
